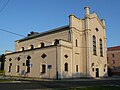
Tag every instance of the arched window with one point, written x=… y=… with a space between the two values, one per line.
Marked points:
x=18 y=58
x=23 y=48
x=42 y=44
x=66 y=66
x=9 y=69
x=76 y=43
x=31 y=47
x=101 y=48
x=28 y=63
x=56 y=42
x=18 y=68
x=76 y=68
x=94 y=45
x=10 y=59
x=43 y=69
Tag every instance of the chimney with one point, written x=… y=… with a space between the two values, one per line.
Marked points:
x=87 y=11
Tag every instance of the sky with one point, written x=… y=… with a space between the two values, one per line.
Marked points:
x=24 y=16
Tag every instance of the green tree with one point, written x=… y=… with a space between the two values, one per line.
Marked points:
x=110 y=73
x=2 y=60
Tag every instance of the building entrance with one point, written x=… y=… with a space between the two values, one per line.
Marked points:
x=97 y=72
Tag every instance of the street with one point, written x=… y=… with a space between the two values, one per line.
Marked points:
x=33 y=84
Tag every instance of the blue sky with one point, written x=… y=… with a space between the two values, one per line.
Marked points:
x=24 y=16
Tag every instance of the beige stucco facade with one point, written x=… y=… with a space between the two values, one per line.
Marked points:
x=73 y=51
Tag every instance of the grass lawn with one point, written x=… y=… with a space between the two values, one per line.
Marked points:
x=5 y=80
x=1 y=72
x=96 y=88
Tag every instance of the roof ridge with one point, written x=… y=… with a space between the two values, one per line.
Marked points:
x=44 y=33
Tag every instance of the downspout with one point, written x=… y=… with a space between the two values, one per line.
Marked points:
x=87 y=14
x=56 y=63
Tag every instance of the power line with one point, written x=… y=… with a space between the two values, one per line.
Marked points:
x=11 y=32
x=20 y=35
x=4 y=6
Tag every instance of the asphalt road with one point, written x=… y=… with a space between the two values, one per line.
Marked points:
x=38 y=85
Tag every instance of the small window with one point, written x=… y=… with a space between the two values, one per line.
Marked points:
x=113 y=61
x=96 y=29
x=43 y=69
x=94 y=45
x=93 y=69
x=42 y=45
x=43 y=55
x=76 y=43
x=23 y=64
x=18 y=68
x=66 y=56
x=113 y=55
x=31 y=47
x=104 y=70
x=10 y=59
x=76 y=68
x=101 y=48
x=18 y=58
x=66 y=66
x=23 y=48
x=56 y=42
x=9 y=69
x=10 y=64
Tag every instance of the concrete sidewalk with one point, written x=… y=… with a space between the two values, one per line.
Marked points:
x=76 y=79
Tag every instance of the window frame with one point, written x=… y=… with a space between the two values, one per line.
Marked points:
x=42 y=45
x=31 y=47
x=101 y=47
x=9 y=68
x=66 y=67
x=43 y=69
x=76 y=43
x=77 y=68
x=94 y=45
x=56 y=42
x=18 y=69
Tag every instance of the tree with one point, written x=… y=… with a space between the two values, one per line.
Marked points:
x=110 y=73
x=2 y=60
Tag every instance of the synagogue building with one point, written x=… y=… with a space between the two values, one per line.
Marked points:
x=73 y=51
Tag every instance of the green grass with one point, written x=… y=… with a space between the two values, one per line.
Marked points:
x=5 y=80
x=96 y=88
x=1 y=72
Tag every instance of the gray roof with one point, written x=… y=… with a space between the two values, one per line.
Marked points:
x=63 y=28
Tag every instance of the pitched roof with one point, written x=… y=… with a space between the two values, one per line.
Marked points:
x=63 y=28
x=115 y=48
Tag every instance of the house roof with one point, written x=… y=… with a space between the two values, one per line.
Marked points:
x=59 y=29
x=115 y=48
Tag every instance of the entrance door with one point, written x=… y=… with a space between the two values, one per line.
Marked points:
x=97 y=72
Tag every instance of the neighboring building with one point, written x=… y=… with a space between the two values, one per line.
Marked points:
x=73 y=51
x=113 y=55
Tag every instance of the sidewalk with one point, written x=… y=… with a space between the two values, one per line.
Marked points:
x=76 y=79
